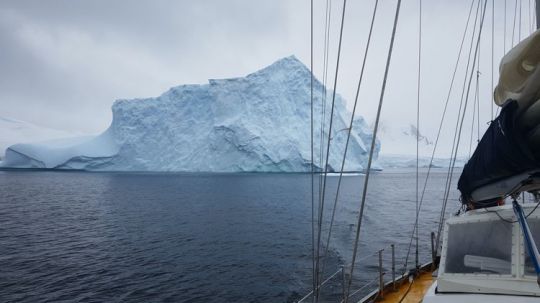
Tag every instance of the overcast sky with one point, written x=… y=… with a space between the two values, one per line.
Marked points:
x=63 y=63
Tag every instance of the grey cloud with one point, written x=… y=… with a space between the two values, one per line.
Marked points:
x=65 y=62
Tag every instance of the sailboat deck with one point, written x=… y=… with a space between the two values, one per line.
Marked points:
x=404 y=291
x=410 y=293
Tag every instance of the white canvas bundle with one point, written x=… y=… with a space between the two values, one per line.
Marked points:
x=516 y=68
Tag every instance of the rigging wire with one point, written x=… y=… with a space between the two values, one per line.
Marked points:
x=326 y=51
x=492 y=55
x=478 y=73
x=533 y=15
x=455 y=144
x=329 y=141
x=463 y=117
x=478 y=109
x=447 y=184
x=520 y=22
x=323 y=95
x=536 y=23
x=366 y=50
x=418 y=121
x=439 y=131
x=475 y=104
x=370 y=159
x=504 y=46
x=328 y=14
x=312 y=141
x=505 y=23
x=529 y=18
x=514 y=26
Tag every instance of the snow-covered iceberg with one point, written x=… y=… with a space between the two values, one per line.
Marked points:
x=258 y=123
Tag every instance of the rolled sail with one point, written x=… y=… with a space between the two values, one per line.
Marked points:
x=516 y=68
x=507 y=159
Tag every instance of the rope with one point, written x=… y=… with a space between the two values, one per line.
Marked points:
x=368 y=43
x=329 y=138
x=464 y=111
x=439 y=131
x=406 y=292
x=373 y=141
x=512 y=221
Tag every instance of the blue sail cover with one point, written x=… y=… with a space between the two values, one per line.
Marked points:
x=502 y=153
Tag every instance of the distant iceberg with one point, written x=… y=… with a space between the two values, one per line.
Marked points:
x=16 y=131
x=409 y=161
x=257 y=123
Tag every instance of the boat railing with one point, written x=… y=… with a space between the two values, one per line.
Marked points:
x=341 y=270
x=362 y=288
x=378 y=279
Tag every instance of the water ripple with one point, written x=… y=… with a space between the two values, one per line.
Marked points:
x=103 y=237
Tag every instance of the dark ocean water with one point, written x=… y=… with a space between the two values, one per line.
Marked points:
x=118 y=237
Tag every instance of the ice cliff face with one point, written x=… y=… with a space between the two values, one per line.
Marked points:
x=260 y=122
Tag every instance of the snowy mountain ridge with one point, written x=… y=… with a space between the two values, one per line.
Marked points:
x=400 y=139
x=260 y=122
x=399 y=148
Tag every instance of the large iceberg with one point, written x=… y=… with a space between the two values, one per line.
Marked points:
x=257 y=123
